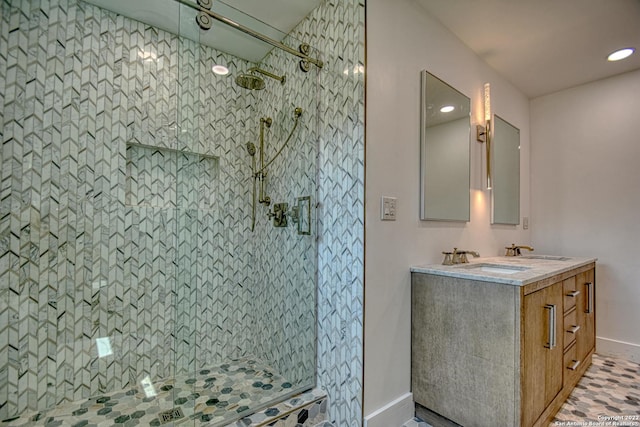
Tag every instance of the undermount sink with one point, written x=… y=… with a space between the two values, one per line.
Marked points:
x=495 y=268
x=547 y=257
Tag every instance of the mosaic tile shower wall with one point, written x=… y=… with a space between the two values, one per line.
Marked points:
x=102 y=236
x=337 y=30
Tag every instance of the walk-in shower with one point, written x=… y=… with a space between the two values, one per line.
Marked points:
x=139 y=286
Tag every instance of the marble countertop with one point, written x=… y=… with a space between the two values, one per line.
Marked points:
x=517 y=271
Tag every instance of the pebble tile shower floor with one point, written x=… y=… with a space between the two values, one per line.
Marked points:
x=206 y=398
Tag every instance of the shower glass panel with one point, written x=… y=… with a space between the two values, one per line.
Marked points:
x=245 y=294
x=134 y=284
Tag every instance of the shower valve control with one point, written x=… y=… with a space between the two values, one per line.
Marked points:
x=279 y=214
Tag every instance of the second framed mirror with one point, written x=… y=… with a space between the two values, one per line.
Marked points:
x=505 y=194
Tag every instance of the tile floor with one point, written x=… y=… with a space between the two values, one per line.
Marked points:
x=607 y=395
x=211 y=397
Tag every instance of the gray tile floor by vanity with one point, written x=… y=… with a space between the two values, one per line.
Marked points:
x=607 y=395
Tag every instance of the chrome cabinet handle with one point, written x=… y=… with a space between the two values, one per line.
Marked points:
x=573 y=294
x=552 y=326
x=574 y=366
x=589 y=297
x=573 y=329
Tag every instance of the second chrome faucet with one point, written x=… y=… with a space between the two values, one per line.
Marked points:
x=515 y=250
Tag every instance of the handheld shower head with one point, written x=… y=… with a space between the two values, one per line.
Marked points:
x=251 y=148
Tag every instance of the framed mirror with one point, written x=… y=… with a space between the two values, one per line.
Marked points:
x=444 y=151
x=505 y=194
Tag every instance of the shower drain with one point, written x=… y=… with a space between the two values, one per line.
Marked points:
x=170 y=415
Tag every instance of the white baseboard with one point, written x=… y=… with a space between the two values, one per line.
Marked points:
x=621 y=349
x=394 y=413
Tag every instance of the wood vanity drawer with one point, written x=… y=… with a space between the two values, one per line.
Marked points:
x=570 y=293
x=571 y=364
x=570 y=328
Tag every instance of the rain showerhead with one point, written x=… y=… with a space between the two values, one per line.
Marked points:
x=250 y=81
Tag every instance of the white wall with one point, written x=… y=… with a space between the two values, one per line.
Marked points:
x=586 y=198
x=402 y=40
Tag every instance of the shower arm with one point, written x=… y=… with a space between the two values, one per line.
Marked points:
x=281 y=79
x=298 y=113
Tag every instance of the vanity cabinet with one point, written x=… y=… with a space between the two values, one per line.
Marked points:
x=488 y=354
x=543 y=352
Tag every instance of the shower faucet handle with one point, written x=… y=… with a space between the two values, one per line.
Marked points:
x=279 y=214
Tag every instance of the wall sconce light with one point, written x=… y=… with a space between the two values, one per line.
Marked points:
x=483 y=133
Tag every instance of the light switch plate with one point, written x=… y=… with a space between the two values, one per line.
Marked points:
x=525 y=223
x=388 y=208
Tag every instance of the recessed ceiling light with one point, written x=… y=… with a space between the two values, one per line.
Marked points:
x=620 y=54
x=220 y=70
x=447 y=109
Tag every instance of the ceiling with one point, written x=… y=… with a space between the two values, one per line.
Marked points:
x=542 y=46
x=273 y=18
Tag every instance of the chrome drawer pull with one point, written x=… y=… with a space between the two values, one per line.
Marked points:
x=573 y=329
x=552 y=326
x=590 y=297
x=573 y=294
x=574 y=366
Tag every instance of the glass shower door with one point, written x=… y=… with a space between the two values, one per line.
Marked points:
x=243 y=332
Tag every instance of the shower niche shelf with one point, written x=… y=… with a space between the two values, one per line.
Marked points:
x=162 y=177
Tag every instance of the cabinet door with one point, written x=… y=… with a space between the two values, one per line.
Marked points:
x=586 y=313
x=542 y=358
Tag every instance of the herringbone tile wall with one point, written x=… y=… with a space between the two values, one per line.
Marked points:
x=337 y=30
x=152 y=248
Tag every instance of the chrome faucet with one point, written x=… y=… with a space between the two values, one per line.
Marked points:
x=458 y=257
x=473 y=254
x=514 y=250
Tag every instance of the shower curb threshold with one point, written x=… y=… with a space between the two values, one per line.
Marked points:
x=309 y=409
